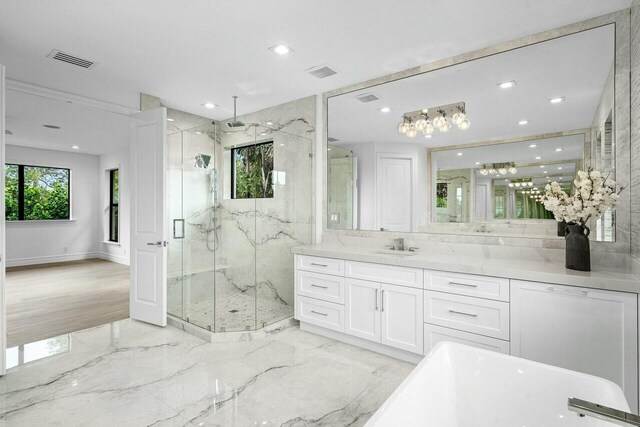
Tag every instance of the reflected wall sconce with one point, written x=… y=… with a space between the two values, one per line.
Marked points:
x=420 y=120
x=498 y=169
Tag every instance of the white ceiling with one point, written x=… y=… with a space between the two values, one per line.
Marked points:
x=575 y=67
x=95 y=131
x=191 y=52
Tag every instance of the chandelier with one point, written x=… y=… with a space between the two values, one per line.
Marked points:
x=425 y=122
x=498 y=169
x=521 y=183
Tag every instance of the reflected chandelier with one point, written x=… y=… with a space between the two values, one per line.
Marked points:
x=420 y=120
x=498 y=169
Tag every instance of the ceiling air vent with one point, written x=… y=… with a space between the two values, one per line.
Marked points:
x=367 y=97
x=70 y=59
x=321 y=71
x=331 y=139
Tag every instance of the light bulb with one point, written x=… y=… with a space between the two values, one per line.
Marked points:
x=438 y=121
x=421 y=124
x=465 y=124
x=458 y=118
x=403 y=127
x=412 y=132
x=484 y=171
x=502 y=171
x=492 y=171
x=530 y=184
x=428 y=129
x=511 y=184
x=513 y=170
x=446 y=126
x=517 y=184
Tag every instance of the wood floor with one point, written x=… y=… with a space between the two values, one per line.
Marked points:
x=54 y=299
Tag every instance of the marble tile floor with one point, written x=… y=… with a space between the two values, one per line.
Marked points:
x=130 y=373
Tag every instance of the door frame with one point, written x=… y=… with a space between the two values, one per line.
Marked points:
x=414 y=180
x=3 y=252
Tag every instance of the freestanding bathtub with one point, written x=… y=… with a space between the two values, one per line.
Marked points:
x=459 y=386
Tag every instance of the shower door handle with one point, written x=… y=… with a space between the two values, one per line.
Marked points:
x=181 y=221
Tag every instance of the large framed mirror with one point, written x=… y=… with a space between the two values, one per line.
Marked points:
x=469 y=147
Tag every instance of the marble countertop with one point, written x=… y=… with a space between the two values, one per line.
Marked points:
x=614 y=278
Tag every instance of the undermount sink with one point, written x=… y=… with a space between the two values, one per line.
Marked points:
x=394 y=252
x=457 y=385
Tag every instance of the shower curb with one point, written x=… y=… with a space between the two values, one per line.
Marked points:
x=214 y=337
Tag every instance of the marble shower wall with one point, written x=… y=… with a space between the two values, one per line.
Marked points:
x=635 y=129
x=256 y=234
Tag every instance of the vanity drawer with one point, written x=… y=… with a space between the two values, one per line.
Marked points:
x=320 y=265
x=320 y=313
x=467 y=284
x=403 y=276
x=434 y=334
x=320 y=286
x=475 y=315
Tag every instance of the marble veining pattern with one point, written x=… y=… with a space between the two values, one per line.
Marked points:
x=134 y=374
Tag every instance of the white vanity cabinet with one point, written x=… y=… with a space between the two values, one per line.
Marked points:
x=586 y=330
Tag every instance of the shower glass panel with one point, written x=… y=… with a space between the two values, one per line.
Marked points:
x=239 y=200
x=282 y=221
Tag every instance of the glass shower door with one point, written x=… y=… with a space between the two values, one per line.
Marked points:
x=175 y=300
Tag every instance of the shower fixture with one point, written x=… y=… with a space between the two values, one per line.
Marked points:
x=235 y=123
x=202 y=161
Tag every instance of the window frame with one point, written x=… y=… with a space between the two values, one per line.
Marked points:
x=21 y=213
x=233 y=168
x=113 y=205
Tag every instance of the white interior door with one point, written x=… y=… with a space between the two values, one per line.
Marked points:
x=394 y=188
x=148 y=294
x=481 y=202
x=3 y=302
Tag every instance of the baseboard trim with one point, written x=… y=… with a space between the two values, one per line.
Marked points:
x=114 y=258
x=51 y=259
x=359 y=342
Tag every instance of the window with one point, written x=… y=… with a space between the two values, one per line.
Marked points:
x=114 y=199
x=252 y=171
x=37 y=193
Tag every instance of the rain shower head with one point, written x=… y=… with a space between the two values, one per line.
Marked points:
x=202 y=161
x=235 y=123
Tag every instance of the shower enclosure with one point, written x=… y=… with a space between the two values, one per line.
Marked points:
x=239 y=199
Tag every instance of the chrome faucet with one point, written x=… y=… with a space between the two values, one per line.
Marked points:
x=398 y=244
x=585 y=408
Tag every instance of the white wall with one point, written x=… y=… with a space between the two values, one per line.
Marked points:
x=366 y=154
x=36 y=242
x=117 y=252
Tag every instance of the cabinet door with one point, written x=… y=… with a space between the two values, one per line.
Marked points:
x=362 y=308
x=585 y=330
x=402 y=313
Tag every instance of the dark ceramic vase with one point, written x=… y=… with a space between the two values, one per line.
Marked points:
x=578 y=256
x=562 y=225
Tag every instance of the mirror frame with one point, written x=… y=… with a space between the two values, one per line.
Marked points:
x=622 y=114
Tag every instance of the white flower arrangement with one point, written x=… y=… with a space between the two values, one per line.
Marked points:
x=593 y=195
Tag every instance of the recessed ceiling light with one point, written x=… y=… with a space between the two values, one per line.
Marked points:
x=281 y=49
x=281 y=145
x=523 y=122
x=428 y=136
x=477 y=163
x=532 y=145
x=209 y=105
x=541 y=166
x=263 y=133
x=170 y=119
x=269 y=123
x=52 y=126
x=557 y=100
x=507 y=85
x=198 y=132
x=506 y=180
x=75 y=147
x=558 y=149
x=559 y=168
x=538 y=157
x=328 y=149
x=459 y=154
x=561 y=178
x=545 y=172
x=385 y=109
